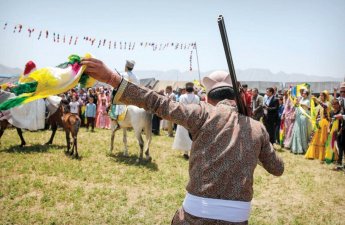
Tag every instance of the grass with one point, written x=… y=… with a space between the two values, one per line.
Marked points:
x=41 y=185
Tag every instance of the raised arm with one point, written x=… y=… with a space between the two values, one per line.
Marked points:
x=191 y=116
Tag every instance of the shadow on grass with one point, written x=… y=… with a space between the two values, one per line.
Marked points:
x=132 y=160
x=35 y=148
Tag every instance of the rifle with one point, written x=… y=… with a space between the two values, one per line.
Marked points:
x=238 y=91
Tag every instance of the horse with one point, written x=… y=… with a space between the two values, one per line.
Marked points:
x=139 y=120
x=71 y=123
x=54 y=120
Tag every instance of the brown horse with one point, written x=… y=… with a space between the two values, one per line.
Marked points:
x=54 y=121
x=71 y=123
x=4 y=124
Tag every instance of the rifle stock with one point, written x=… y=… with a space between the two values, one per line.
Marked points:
x=242 y=109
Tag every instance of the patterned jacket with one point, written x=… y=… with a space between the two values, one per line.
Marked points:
x=226 y=146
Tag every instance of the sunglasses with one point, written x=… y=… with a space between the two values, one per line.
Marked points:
x=342 y=91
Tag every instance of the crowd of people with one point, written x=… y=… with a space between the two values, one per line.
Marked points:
x=94 y=104
x=302 y=123
x=287 y=119
x=91 y=105
x=291 y=121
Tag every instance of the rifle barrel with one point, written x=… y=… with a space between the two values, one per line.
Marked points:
x=231 y=68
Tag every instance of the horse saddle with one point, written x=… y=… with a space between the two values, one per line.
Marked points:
x=118 y=112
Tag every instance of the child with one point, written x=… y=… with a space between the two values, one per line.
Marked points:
x=90 y=114
x=74 y=105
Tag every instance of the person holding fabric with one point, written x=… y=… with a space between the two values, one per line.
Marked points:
x=226 y=146
x=271 y=113
x=316 y=149
x=182 y=140
x=257 y=103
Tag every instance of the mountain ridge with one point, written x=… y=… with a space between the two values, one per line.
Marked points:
x=253 y=74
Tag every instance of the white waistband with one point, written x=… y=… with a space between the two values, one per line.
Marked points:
x=217 y=209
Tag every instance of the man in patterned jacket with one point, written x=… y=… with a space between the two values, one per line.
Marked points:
x=225 y=151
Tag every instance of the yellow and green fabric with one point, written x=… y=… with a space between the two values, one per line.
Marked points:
x=48 y=81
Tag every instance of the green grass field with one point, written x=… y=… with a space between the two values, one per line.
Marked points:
x=42 y=185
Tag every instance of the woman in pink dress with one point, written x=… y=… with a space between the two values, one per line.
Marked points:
x=103 y=115
x=102 y=120
x=289 y=121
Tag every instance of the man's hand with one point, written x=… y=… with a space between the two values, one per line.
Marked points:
x=98 y=70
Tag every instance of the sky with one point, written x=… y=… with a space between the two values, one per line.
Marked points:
x=295 y=36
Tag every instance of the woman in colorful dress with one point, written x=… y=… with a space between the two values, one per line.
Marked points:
x=300 y=136
x=102 y=119
x=289 y=120
x=316 y=148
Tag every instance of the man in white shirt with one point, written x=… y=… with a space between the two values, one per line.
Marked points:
x=128 y=74
x=182 y=140
x=116 y=110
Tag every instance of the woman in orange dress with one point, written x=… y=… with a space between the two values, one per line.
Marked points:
x=316 y=148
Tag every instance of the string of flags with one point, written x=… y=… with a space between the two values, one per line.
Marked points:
x=110 y=44
x=102 y=42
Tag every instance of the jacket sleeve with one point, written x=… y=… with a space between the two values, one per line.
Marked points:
x=268 y=157
x=192 y=116
x=274 y=106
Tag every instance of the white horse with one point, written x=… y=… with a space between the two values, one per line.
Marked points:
x=139 y=120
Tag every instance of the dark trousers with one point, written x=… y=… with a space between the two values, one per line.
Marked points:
x=341 y=146
x=277 y=131
x=156 y=124
x=271 y=127
x=90 y=120
x=82 y=118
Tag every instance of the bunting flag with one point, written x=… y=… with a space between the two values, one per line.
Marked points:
x=190 y=60
x=331 y=151
x=36 y=84
x=102 y=42
x=124 y=45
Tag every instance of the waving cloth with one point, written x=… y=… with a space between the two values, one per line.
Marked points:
x=48 y=81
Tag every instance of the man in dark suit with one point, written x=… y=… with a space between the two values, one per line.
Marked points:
x=271 y=106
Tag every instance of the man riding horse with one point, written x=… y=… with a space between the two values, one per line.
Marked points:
x=116 y=110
